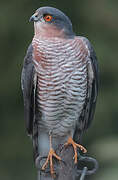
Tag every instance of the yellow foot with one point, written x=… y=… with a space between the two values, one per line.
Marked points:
x=75 y=145
x=49 y=158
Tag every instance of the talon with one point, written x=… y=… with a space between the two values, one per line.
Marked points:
x=75 y=145
x=49 y=159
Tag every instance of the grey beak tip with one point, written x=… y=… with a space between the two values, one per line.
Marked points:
x=31 y=19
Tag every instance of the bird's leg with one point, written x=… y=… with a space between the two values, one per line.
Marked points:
x=49 y=158
x=75 y=146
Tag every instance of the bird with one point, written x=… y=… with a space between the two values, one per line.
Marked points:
x=59 y=81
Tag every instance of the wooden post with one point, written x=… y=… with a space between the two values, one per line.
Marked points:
x=65 y=168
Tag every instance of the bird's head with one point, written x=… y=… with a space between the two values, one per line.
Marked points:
x=51 y=22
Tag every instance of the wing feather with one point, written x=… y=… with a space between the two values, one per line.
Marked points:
x=92 y=87
x=28 y=87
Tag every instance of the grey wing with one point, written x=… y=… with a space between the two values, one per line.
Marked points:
x=28 y=87
x=92 y=87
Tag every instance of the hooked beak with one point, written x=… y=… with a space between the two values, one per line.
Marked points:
x=34 y=18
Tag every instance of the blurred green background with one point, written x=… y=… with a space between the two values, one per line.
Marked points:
x=98 y=21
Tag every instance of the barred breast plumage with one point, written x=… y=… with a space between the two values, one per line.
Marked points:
x=60 y=65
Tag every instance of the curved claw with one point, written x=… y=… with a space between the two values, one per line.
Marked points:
x=49 y=159
x=39 y=162
x=75 y=146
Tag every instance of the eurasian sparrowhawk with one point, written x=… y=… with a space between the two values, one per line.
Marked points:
x=59 y=84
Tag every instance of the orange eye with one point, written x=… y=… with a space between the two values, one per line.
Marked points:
x=48 y=18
